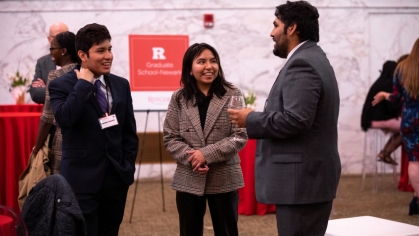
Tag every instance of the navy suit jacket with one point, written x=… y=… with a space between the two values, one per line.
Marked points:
x=87 y=149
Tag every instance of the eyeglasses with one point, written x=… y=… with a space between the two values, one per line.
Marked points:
x=51 y=49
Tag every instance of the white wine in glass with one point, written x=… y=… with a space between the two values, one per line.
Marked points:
x=236 y=103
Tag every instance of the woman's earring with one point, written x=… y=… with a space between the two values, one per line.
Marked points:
x=62 y=54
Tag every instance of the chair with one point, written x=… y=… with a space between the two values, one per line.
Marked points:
x=11 y=223
x=374 y=141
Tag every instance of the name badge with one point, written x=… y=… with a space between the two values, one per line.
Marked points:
x=108 y=121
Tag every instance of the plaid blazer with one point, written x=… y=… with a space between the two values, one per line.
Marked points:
x=182 y=132
x=48 y=117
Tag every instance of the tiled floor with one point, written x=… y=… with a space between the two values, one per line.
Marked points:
x=149 y=219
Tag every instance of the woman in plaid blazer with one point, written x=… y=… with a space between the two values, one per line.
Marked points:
x=63 y=53
x=199 y=135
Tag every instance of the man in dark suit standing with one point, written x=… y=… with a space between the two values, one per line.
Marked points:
x=95 y=112
x=297 y=160
x=43 y=66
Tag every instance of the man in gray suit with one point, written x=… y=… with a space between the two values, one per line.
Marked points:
x=43 y=66
x=297 y=160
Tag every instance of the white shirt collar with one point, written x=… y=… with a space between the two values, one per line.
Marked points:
x=101 y=78
x=293 y=50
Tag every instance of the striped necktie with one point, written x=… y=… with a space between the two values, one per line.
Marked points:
x=101 y=98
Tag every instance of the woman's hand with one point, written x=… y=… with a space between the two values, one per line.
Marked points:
x=380 y=97
x=196 y=159
x=203 y=169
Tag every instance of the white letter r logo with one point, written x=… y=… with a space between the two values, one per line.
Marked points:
x=158 y=53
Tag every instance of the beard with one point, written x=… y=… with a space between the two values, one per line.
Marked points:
x=281 y=47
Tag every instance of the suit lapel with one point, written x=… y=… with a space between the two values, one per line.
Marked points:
x=110 y=82
x=92 y=98
x=215 y=108
x=114 y=91
x=193 y=115
x=95 y=105
x=273 y=86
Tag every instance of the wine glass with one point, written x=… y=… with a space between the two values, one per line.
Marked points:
x=236 y=103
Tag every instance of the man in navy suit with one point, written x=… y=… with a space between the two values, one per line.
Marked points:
x=100 y=143
x=297 y=165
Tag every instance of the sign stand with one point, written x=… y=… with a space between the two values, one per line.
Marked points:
x=141 y=157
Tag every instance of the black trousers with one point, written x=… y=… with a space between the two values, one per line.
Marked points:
x=303 y=219
x=223 y=209
x=103 y=211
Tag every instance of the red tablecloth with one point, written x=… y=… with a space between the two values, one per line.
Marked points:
x=6 y=226
x=404 y=184
x=21 y=108
x=247 y=196
x=17 y=137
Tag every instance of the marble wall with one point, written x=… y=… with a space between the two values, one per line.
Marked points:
x=357 y=36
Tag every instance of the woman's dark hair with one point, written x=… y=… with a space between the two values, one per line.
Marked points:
x=304 y=15
x=68 y=40
x=90 y=35
x=190 y=88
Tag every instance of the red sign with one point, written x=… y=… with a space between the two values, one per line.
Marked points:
x=156 y=61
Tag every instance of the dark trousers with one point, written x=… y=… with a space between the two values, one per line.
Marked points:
x=303 y=219
x=223 y=209
x=103 y=211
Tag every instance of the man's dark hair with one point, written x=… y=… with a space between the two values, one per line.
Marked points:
x=67 y=40
x=304 y=15
x=190 y=88
x=90 y=35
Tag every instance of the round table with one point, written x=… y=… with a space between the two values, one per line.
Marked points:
x=17 y=137
x=6 y=226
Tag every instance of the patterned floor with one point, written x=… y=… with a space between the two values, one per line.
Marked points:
x=148 y=218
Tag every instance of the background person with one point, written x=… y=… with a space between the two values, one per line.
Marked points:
x=199 y=135
x=384 y=116
x=98 y=161
x=297 y=164
x=43 y=66
x=63 y=54
x=406 y=87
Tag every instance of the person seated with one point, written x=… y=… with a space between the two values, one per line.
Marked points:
x=384 y=116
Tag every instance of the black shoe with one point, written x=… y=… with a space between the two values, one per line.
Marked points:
x=414 y=207
x=386 y=158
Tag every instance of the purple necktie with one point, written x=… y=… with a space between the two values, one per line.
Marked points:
x=101 y=98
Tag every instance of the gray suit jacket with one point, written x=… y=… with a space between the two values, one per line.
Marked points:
x=297 y=159
x=182 y=132
x=43 y=66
